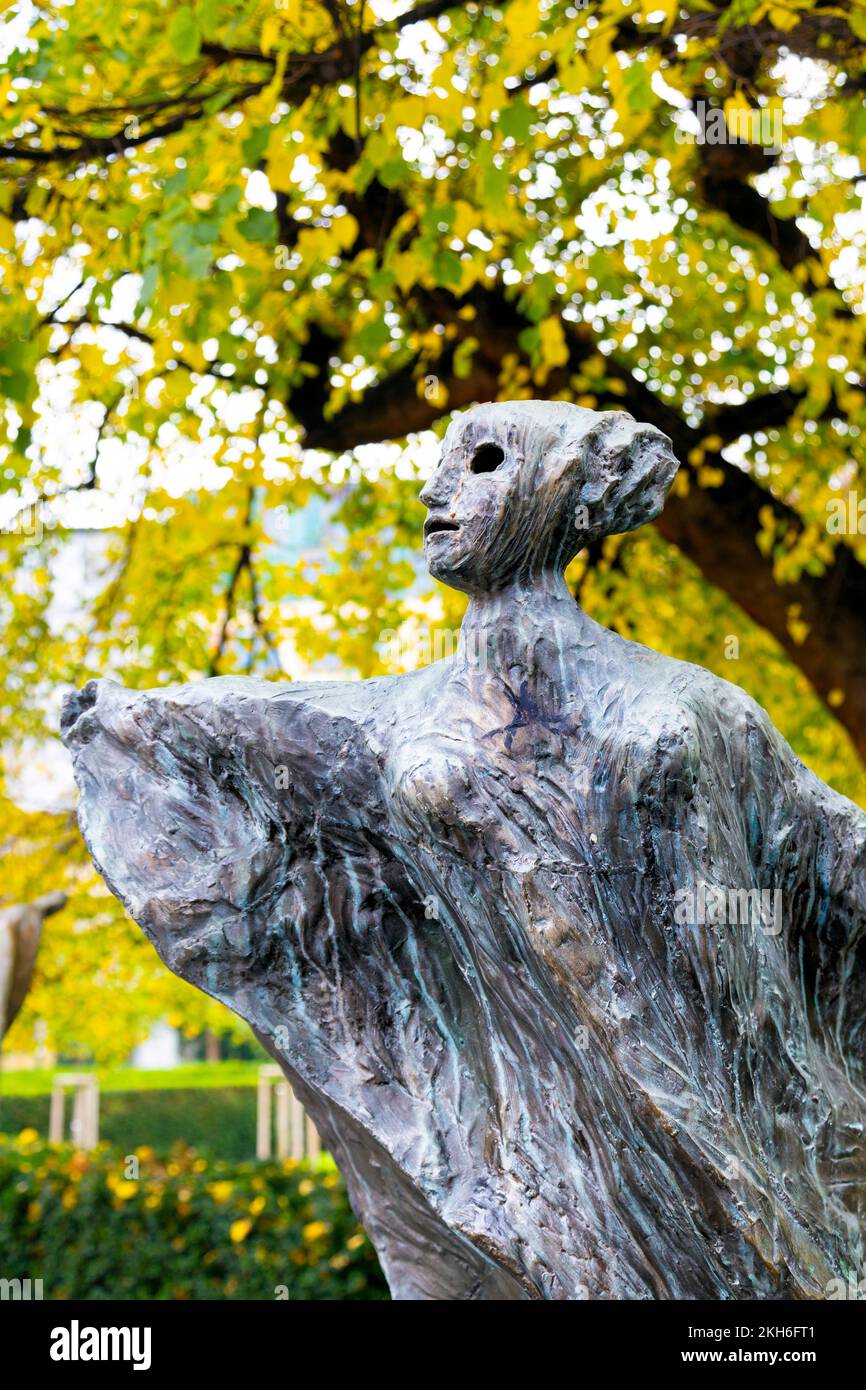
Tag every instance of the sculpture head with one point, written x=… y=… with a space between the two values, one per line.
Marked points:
x=522 y=486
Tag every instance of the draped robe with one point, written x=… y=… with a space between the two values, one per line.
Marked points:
x=448 y=906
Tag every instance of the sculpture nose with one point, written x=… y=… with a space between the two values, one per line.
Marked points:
x=443 y=485
x=434 y=493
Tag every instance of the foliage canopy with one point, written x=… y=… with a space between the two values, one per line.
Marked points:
x=244 y=243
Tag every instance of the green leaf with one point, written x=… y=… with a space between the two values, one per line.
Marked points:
x=463 y=357
x=259 y=225
x=447 y=268
x=149 y=282
x=373 y=337
x=208 y=14
x=256 y=143
x=516 y=119
x=496 y=182
x=529 y=339
x=638 y=86
x=185 y=35
x=17 y=366
x=191 y=244
x=438 y=217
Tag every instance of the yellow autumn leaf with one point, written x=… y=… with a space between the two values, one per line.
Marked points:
x=7 y=234
x=466 y=219
x=554 y=349
x=737 y=109
x=279 y=163
x=521 y=19
x=598 y=49
x=315 y=1230
x=783 y=18
x=408 y=269
x=270 y=33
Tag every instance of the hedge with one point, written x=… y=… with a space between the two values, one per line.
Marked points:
x=221 y=1124
x=184 y=1228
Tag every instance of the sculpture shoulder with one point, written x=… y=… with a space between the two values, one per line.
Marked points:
x=319 y=736
x=354 y=700
x=244 y=700
x=204 y=793
x=717 y=728
x=679 y=706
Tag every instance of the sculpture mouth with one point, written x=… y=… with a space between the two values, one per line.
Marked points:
x=436 y=525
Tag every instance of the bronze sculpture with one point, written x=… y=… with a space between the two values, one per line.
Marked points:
x=20 y=932
x=454 y=905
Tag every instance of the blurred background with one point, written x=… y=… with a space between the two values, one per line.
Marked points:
x=253 y=254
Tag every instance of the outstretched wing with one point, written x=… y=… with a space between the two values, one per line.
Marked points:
x=245 y=826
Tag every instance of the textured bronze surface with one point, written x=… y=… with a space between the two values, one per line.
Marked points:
x=20 y=931
x=488 y=915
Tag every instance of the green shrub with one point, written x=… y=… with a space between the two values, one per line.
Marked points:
x=221 y=1124
x=186 y=1228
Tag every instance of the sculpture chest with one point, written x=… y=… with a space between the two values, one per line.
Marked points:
x=503 y=773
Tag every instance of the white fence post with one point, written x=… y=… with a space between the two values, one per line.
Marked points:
x=263 y=1115
x=55 y=1115
x=296 y=1134
x=84 y=1128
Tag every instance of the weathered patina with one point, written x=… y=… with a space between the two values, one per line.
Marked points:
x=482 y=913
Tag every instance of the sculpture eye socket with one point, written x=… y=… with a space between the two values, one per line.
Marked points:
x=487 y=458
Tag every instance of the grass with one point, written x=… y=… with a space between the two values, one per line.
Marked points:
x=186 y=1077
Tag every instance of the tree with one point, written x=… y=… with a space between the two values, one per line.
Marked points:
x=315 y=226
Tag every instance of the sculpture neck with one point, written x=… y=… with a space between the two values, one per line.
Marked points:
x=523 y=631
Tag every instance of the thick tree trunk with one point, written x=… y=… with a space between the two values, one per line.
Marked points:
x=716 y=529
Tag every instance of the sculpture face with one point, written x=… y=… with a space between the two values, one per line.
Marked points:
x=522 y=487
